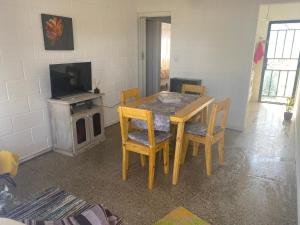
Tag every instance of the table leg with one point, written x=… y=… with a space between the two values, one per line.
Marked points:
x=178 y=150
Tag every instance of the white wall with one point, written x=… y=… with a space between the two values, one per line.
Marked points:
x=104 y=33
x=297 y=145
x=213 y=41
x=274 y=12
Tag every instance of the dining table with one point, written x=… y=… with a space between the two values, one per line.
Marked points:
x=177 y=114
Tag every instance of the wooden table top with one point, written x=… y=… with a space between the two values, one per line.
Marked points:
x=184 y=113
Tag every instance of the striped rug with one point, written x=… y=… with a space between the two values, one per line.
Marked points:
x=52 y=205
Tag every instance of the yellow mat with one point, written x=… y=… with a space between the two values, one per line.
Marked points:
x=181 y=216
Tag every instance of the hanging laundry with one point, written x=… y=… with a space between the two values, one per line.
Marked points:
x=259 y=52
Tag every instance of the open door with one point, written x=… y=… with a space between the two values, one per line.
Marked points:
x=153 y=55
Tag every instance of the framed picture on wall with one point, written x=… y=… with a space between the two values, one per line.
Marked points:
x=58 y=32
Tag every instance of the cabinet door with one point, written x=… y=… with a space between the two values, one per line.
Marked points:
x=81 y=131
x=96 y=123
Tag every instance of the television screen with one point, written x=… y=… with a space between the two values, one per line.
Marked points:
x=71 y=78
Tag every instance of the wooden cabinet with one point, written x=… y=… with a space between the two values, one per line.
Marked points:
x=77 y=123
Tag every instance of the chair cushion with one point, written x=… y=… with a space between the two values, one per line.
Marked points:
x=142 y=136
x=198 y=128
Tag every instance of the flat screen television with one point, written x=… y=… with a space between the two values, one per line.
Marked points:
x=70 y=79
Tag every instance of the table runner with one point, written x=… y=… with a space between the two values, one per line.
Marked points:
x=162 y=111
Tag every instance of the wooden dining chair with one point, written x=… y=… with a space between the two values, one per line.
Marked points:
x=200 y=90
x=193 y=89
x=203 y=115
x=146 y=142
x=130 y=94
x=208 y=134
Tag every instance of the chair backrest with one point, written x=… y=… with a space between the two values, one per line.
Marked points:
x=192 y=88
x=133 y=93
x=217 y=108
x=127 y=113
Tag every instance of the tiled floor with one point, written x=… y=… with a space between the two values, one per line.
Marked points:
x=257 y=185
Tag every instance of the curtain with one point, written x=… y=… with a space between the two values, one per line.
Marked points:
x=165 y=50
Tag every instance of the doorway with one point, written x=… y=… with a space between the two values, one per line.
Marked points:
x=154 y=52
x=281 y=62
x=165 y=54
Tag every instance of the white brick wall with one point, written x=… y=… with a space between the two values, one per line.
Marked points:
x=104 y=33
x=37 y=102
x=27 y=121
x=3 y=91
x=11 y=70
x=17 y=89
x=14 y=107
x=6 y=127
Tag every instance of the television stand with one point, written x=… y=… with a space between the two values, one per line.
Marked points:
x=77 y=122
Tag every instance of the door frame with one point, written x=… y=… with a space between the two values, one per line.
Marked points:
x=141 y=17
x=265 y=61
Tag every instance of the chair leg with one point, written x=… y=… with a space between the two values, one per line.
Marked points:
x=166 y=157
x=221 y=151
x=195 y=148
x=202 y=116
x=151 y=169
x=125 y=164
x=208 y=159
x=205 y=115
x=160 y=155
x=173 y=132
x=143 y=160
x=184 y=149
